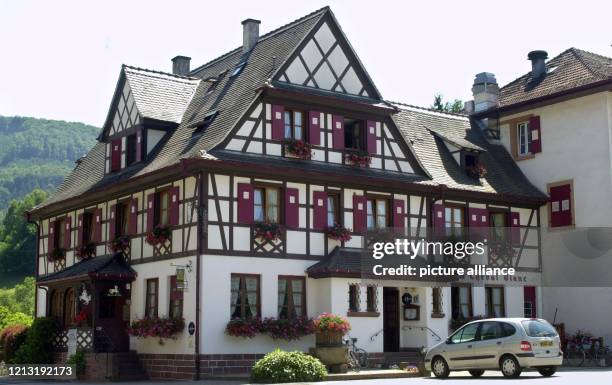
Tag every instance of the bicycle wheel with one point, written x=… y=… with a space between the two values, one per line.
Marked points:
x=362 y=357
x=353 y=361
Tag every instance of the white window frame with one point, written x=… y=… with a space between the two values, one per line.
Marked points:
x=523 y=148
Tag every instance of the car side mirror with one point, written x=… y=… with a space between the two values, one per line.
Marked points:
x=448 y=341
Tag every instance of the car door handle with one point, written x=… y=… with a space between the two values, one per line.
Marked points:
x=469 y=346
x=499 y=342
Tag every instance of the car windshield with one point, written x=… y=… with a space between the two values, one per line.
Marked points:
x=538 y=328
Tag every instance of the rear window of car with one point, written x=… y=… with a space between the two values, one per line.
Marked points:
x=538 y=328
x=507 y=329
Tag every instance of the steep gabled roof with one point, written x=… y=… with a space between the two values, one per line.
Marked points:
x=420 y=127
x=571 y=69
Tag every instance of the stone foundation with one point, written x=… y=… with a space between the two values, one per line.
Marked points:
x=169 y=366
x=99 y=367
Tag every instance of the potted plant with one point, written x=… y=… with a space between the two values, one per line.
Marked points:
x=268 y=231
x=160 y=234
x=86 y=251
x=359 y=158
x=298 y=148
x=330 y=329
x=338 y=232
x=477 y=171
x=120 y=244
x=57 y=254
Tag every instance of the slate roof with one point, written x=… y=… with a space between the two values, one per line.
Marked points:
x=159 y=95
x=570 y=69
x=110 y=265
x=212 y=88
x=420 y=127
x=341 y=261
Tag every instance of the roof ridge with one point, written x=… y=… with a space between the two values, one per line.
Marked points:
x=264 y=36
x=428 y=109
x=579 y=55
x=157 y=72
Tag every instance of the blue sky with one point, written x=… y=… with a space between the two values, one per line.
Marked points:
x=61 y=59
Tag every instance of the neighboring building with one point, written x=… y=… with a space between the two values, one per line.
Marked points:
x=205 y=153
x=556 y=122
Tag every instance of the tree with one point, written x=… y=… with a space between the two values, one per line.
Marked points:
x=456 y=106
x=18 y=237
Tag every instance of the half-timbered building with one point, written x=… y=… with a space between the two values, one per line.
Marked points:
x=211 y=192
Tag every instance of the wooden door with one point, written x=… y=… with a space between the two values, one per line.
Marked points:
x=391 y=315
x=111 y=322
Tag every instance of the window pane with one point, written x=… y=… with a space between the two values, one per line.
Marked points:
x=298 y=118
x=469 y=333
x=287 y=124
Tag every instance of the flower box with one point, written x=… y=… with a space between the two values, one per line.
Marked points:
x=120 y=244
x=244 y=327
x=288 y=329
x=268 y=231
x=478 y=171
x=338 y=232
x=57 y=254
x=359 y=158
x=298 y=148
x=86 y=251
x=156 y=327
x=160 y=234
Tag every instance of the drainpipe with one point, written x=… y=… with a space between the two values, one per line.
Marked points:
x=29 y=220
x=200 y=232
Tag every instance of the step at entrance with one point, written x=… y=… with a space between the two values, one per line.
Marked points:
x=404 y=357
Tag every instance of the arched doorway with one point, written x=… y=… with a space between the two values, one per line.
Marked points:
x=55 y=305
x=69 y=307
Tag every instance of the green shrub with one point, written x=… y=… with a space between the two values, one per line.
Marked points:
x=78 y=360
x=11 y=339
x=38 y=347
x=279 y=366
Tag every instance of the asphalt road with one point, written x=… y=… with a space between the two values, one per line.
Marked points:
x=565 y=377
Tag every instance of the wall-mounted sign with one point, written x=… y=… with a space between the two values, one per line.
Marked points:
x=114 y=292
x=407 y=299
x=191 y=328
x=84 y=297
x=411 y=313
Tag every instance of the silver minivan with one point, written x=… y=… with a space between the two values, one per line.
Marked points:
x=506 y=344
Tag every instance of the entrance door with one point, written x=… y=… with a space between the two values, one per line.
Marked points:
x=529 y=298
x=112 y=320
x=391 y=315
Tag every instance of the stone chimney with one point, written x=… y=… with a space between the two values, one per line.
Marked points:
x=180 y=65
x=485 y=91
x=538 y=63
x=250 y=34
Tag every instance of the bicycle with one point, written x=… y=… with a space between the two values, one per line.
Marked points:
x=357 y=358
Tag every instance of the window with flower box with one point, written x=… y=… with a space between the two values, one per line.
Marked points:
x=162 y=205
x=333 y=209
x=122 y=214
x=294 y=124
x=291 y=297
x=245 y=296
x=87 y=228
x=266 y=204
x=152 y=297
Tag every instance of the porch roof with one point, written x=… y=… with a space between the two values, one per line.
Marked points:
x=341 y=262
x=110 y=266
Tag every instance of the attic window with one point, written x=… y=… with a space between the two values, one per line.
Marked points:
x=239 y=67
x=471 y=164
x=208 y=119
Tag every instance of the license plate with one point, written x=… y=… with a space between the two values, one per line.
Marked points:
x=546 y=343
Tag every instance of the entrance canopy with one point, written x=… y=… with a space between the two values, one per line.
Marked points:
x=105 y=267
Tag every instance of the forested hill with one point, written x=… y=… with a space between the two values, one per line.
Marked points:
x=38 y=153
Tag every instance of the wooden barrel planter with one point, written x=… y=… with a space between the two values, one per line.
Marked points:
x=329 y=338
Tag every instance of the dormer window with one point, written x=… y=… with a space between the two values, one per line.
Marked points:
x=354 y=134
x=471 y=164
x=130 y=151
x=294 y=125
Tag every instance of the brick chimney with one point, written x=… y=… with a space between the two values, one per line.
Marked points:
x=250 y=34
x=180 y=65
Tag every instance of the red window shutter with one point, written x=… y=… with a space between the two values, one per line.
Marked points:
x=245 y=203
x=278 y=122
x=438 y=220
x=359 y=213
x=319 y=210
x=314 y=127
x=536 y=134
x=133 y=225
x=173 y=215
x=515 y=229
x=112 y=224
x=292 y=207
x=79 y=240
x=150 y=212
x=97 y=226
x=371 y=136
x=337 y=132
x=399 y=214
x=139 y=143
x=51 y=237
x=116 y=154
x=561 y=215
x=67 y=232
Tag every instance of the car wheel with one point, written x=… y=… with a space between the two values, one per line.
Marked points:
x=439 y=367
x=510 y=367
x=547 y=371
x=476 y=372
